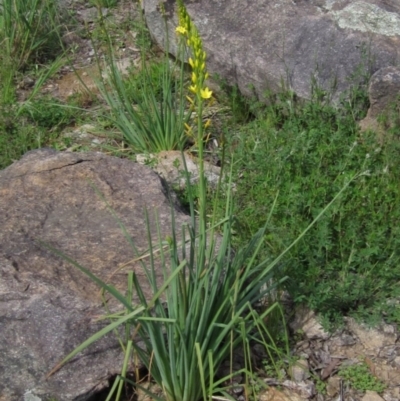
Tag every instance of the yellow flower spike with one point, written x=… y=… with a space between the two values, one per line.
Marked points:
x=191 y=63
x=205 y=93
x=194 y=77
x=181 y=30
x=206 y=75
x=193 y=88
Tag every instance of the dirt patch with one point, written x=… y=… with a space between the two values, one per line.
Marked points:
x=355 y=345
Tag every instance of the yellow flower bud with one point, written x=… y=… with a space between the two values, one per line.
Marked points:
x=205 y=93
x=181 y=30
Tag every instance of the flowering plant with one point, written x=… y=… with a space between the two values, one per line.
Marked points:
x=204 y=309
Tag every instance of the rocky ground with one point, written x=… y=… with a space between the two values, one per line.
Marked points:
x=322 y=356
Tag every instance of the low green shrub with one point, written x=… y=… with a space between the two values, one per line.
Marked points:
x=348 y=263
x=360 y=378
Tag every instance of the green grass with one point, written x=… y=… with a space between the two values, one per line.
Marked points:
x=29 y=31
x=30 y=36
x=17 y=136
x=148 y=107
x=32 y=125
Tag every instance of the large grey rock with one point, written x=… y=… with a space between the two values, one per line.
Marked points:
x=47 y=306
x=261 y=42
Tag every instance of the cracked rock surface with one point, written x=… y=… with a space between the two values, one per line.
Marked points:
x=47 y=306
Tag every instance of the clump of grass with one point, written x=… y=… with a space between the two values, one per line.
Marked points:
x=28 y=31
x=152 y=73
x=149 y=107
x=29 y=35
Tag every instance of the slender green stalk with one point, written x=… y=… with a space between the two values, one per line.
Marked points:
x=128 y=352
x=114 y=388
